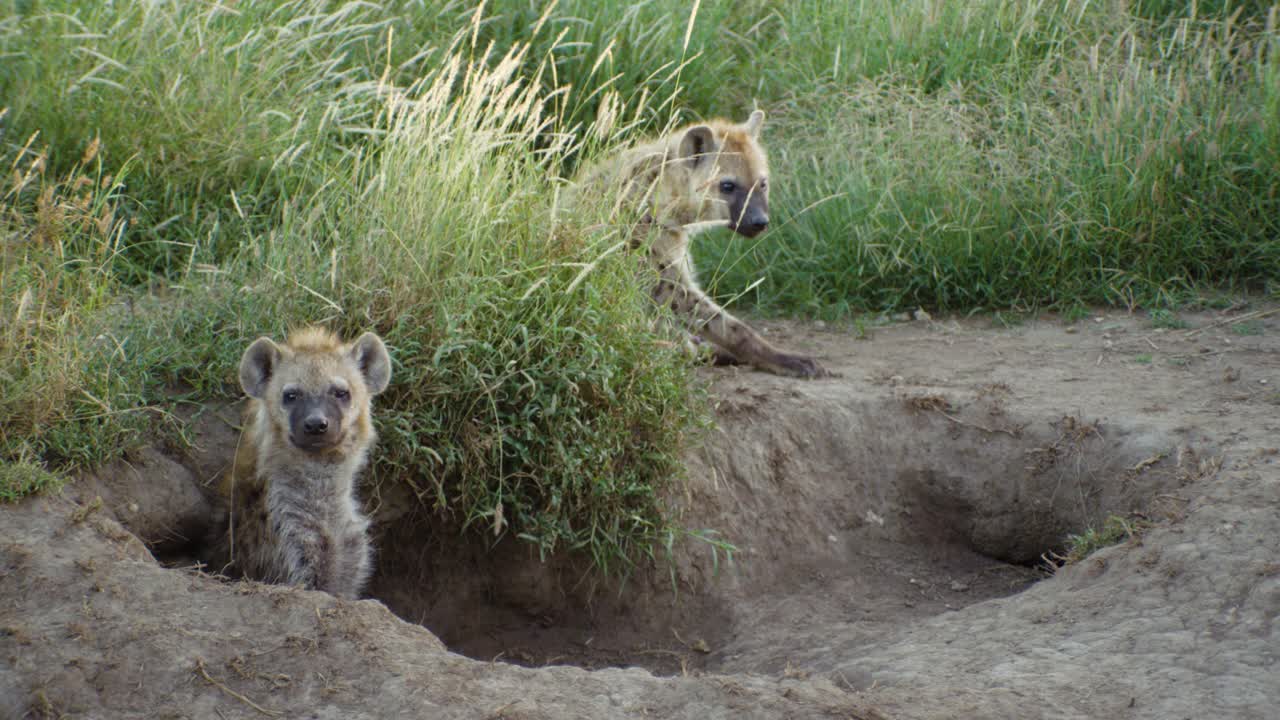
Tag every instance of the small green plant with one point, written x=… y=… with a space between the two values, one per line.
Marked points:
x=1074 y=313
x=1167 y=319
x=21 y=478
x=1247 y=328
x=1008 y=319
x=1115 y=529
x=1143 y=359
x=860 y=328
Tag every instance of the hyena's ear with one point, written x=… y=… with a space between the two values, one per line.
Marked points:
x=697 y=144
x=370 y=355
x=754 y=123
x=257 y=366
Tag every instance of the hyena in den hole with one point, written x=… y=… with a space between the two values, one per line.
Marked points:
x=707 y=175
x=291 y=512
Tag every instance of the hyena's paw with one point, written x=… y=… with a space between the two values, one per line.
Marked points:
x=684 y=346
x=709 y=353
x=724 y=358
x=799 y=366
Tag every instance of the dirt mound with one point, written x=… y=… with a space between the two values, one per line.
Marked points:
x=893 y=529
x=893 y=504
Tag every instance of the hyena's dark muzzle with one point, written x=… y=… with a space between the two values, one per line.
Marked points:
x=749 y=213
x=315 y=423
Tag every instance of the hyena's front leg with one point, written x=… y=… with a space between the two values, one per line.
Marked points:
x=354 y=561
x=306 y=552
x=677 y=290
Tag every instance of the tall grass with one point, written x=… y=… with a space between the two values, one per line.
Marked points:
x=530 y=397
x=532 y=394
x=180 y=178
x=1133 y=166
x=224 y=111
x=59 y=232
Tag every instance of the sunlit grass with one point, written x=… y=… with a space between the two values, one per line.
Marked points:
x=1136 y=169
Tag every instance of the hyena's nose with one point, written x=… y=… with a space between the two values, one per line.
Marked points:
x=757 y=224
x=315 y=425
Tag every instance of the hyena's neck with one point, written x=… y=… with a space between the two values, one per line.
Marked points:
x=297 y=475
x=670 y=245
x=657 y=179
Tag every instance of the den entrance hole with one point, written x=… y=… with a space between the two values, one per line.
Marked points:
x=873 y=514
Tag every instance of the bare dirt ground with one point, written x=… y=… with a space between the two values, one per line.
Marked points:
x=892 y=528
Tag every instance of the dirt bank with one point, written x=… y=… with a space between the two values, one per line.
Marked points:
x=892 y=528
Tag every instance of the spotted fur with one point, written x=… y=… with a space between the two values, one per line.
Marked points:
x=708 y=175
x=291 y=512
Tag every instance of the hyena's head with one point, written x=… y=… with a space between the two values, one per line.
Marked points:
x=728 y=173
x=315 y=389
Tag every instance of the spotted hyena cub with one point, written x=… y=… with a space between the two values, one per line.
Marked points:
x=703 y=176
x=292 y=514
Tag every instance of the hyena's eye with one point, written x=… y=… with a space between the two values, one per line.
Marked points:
x=341 y=394
x=289 y=396
x=728 y=186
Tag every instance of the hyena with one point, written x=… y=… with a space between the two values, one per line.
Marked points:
x=292 y=513
x=703 y=176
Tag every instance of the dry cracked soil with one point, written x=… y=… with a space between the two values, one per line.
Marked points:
x=900 y=538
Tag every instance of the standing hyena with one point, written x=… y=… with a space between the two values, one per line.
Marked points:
x=703 y=176
x=293 y=516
